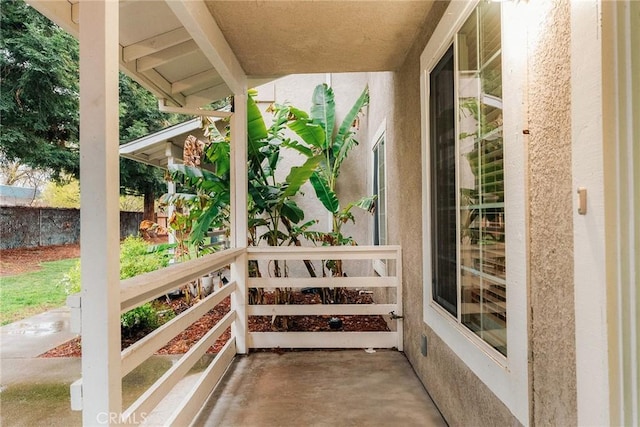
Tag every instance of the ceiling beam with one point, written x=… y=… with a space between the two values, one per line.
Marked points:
x=196 y=82
x=162 y=106
x=165 y=56
x=204 y=96
x=155 y=44
x=152 y=81
x=61 y=12
x=196 y=18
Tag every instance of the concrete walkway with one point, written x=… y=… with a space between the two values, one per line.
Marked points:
x=22 y=342
x=321 y=388
x=303 y=388
x=35 y=391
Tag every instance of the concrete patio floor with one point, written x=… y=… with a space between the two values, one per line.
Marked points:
x=320 y=388
x=299 y=388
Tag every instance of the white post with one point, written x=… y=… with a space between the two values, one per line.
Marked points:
x=239 y=221
x=171 y=190
x=100 y=222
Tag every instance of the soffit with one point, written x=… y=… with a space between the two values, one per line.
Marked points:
x=275 y=37
x=166 y=53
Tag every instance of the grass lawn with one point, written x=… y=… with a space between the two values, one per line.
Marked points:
x=27 y=294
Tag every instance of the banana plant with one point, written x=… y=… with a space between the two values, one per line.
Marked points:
x=271 y=202
x=321 y=138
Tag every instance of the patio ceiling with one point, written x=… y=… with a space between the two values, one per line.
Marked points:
x=192 y=52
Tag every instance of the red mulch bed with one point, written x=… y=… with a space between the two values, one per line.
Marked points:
x=24 y=260
x=183 y=342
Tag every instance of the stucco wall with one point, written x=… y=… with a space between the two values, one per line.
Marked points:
x=24 y=227
x=552 y=331
x=459 y=394
x=461 y=397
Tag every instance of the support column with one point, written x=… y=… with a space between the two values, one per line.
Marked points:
x=99 y=219
x=171 y=190
x=239 y=221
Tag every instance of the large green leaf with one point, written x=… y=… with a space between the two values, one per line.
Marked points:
x=344 y=141
x=256 y=129
x=366 y=203
x=190 y=172
x=312 y=134
x=302 y=149
x=324 y=193
x=218 y=154
x=300 y=174
x=203 y=223
x=292 y=211
x=323 y=112
x=296 y=113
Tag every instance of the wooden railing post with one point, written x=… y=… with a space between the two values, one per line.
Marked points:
x=239 y=302
x=239 y=219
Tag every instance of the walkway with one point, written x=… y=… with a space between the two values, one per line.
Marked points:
x=321 y=388
x=22 y=342
x=303 y=388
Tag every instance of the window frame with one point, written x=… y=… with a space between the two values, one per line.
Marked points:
x=506 y=377
x=379 y=265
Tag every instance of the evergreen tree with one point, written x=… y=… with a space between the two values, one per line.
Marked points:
x=39 y=103
x=39 y=99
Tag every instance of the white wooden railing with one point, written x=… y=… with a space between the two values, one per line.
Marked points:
x=140 y=289
x=392 y=255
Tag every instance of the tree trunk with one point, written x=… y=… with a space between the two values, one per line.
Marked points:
x=149 y=206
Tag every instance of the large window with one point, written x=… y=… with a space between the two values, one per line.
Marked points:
x=379 y=184
x=468 y=267
x=443 y=184
x=379 y=190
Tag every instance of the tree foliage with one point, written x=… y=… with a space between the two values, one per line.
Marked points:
x=39 y=102
x=39 y=98
x=62 y=194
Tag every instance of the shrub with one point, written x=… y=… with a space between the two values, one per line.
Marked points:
x=143 y=317
x=136 y=258
x=71 y=280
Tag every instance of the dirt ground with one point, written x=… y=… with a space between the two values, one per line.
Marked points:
x=25 y=260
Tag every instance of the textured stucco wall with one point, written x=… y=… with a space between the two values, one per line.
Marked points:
x=552 y=330
x=381 y=111
x=461 y=397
